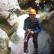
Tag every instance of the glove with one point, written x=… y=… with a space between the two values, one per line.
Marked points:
x=29 y=30
x=32 y=32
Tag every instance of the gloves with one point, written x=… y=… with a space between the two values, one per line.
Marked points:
x=30 y=31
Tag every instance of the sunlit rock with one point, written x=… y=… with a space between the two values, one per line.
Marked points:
x=6 y=5
x=8 y=18
x=3 y=42
x=13 y=19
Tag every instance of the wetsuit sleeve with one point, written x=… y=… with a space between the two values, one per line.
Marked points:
x=38 y=27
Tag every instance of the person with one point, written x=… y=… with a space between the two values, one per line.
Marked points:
x=32 y=29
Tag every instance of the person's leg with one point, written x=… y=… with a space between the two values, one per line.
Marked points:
x=35 y=36
x=26 y=39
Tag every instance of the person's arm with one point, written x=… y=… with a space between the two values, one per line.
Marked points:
x=38 y=28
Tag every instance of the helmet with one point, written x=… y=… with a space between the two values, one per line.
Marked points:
x=32 y=11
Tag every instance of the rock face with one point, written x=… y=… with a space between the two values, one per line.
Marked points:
x=3 y=42
x=48 y=25
x=7 y=16
x=7 y=23
x=6 y=5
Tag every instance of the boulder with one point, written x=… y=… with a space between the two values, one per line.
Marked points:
x=4 y=42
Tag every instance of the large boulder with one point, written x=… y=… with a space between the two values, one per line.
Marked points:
x=8 y=18
x=4 y=40
x=6 y=5
x=48 y=25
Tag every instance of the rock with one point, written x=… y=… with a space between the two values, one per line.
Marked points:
x=48 y=24
x=6 y=5
x=3 y=42
x=13 y=19
x=6 y=15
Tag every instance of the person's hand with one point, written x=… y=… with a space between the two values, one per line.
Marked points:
x=29 y=30
x=32 y=32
